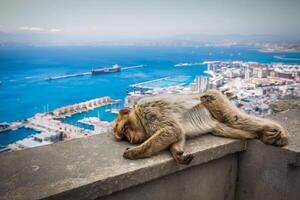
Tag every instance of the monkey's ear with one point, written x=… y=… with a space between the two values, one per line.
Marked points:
x=124 y=111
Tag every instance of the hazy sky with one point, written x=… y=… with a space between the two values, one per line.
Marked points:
x=139 y=18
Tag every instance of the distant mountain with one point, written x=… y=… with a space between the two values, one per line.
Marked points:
x=33 y=38
x=45 y=38
x=239 y=38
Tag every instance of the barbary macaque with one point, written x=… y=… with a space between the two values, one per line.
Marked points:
x=166 y=121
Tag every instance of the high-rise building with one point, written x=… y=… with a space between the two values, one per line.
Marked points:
x=273 y=74
x=248 y=74
x=209 y=67
x=215 y=66
x=202 y=83
x=262 y=73
x=255 y=72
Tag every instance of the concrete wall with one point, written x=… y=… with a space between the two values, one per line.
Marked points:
x=267 y=172
x=211 y=181
x=293 y=187
x=93 y=168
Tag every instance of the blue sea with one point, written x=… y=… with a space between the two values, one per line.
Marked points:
x=24 y=92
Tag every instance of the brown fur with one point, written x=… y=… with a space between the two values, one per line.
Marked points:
x=166 y=121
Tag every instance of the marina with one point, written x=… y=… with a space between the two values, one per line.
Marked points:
x=50 y=127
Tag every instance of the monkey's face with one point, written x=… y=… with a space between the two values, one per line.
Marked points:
x=126 y=128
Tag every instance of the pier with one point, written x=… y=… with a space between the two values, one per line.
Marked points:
x=67 y=76
x=10 y=126
x=86 y=73
x=189 y=64
x=132 y=67
x=73 y=109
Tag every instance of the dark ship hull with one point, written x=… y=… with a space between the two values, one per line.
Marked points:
x=106 y=70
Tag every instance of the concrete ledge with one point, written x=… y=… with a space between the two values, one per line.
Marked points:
x=290 y=120
x=94 y=167
x=268 y=172
x=214 y=180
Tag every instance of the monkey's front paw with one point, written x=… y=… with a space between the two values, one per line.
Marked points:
x=183 y=159
x=130 y=153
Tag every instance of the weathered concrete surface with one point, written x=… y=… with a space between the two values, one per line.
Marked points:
x=214 y=180
x=267 y=172
x=93 y=167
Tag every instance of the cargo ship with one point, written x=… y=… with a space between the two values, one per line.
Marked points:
x=115 y=68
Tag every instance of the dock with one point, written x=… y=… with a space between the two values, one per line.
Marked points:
x=67 y=76
x=132 y=67
x=10 y=126
x=85 y=106
x=86 y=73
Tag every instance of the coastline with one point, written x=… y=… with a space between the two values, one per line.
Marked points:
x=282 y=57
x=271 y=50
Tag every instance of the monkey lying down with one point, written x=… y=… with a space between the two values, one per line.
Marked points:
x=165 y=121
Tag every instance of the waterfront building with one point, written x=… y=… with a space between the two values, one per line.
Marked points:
x=193 y=87
x=209 y=67
x=214 y=66
x=202 y=83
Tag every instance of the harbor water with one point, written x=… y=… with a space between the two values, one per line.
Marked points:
x=24 y=90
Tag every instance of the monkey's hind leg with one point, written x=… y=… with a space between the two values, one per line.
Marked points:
x=159 y=141
x=225 y=112
x=226 y=131
x=177 y=152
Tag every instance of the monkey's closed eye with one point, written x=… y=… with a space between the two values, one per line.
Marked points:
x=126 y=133
x=125 y=129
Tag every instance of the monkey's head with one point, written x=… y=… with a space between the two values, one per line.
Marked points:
x=127 y=127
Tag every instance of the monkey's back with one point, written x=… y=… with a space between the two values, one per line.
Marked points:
x=185 y=111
